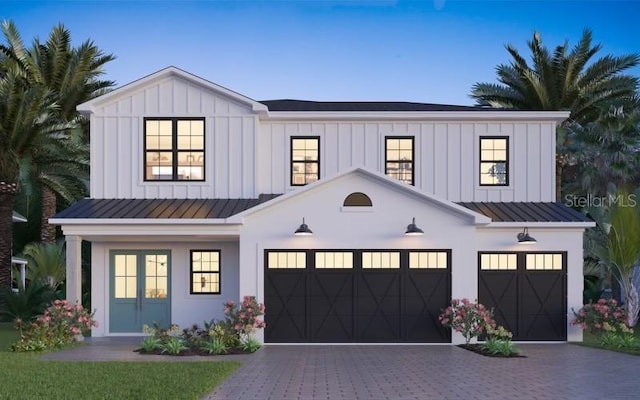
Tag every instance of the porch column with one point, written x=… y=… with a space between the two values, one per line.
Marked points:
x=74 y=268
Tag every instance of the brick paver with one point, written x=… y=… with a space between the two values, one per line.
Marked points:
x=549 y=371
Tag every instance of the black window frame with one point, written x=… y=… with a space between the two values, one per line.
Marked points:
x=291 y=160
x=505 y=161
x=413 y=157
x=174 y=148
x=191 y=271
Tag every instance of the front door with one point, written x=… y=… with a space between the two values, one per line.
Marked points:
x=139 y=289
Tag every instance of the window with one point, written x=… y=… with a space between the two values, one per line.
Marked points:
x=399 y=158
x=499 y=261
x=205 y=271
x=494 y=161
x=305 y=160
x=380 y=260
x=427 y=260
x=357 y=199
x=541 y=262
x=334 y=260
x=286 y=260
x=174 y=149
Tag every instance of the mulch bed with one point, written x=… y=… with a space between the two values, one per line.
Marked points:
x=477 y=348
x=191 y=352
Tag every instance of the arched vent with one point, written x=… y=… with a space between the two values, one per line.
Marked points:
x=357 y=199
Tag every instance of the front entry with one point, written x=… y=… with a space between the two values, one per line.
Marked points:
x=139 y=289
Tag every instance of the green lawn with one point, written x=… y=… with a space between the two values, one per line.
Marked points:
x=24 y=376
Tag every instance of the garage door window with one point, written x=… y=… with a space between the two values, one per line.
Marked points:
x=380 y=260
x=498 y=261
x=287 y=260
x=427 y=260
x=540 y=262
x=334 y=260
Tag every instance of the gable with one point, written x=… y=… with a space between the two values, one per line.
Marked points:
x=171 y=91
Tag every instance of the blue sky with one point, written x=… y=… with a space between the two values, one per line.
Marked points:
x=425 y=51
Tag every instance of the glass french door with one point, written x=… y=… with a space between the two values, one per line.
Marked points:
x=139 y=289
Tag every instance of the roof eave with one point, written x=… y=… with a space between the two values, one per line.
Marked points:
x=492 y=115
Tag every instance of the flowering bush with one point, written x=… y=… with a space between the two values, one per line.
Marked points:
x=603 y=316
x=244 y=320
x=470 y=319
x=58 y=326
x=498 y=342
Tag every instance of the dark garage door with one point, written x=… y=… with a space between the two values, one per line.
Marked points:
x=528 y=292
x=341 y=296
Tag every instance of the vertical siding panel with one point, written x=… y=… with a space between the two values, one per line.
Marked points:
x=371 y=147
x=138 y=104
x=221 y=106
x=180 y=97
x=418 y=158
x=519 y=162
x=124 y=106
x=236 y=164
x=123 y=168
x=264 y=161
x=151 y=192
x=453 y=162
x=194 y=102
x=279 y=159
x=248 y=156
x=152 y=101
x=97 y=146
x=137 y=167
x=533 y=162
x=344 y=146
x=358 y=145
x=427 y=149
x=440 y=160
x=331 y=155
x=467 y=166
x=221 y=150
x=166 y=192
x=179 y=191
x=166 y=99
x=110 y=151
x=208 y=104
x=547 y=162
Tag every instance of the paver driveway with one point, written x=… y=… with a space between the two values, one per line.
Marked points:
x=550 y=371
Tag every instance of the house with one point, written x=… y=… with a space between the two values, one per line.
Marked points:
x=18 y=264
x=351 y=221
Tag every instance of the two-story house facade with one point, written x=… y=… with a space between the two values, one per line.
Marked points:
x=351 y=221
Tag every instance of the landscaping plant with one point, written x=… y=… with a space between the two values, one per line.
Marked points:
x=603 y=316
x=470 y=319
x=58 y=326
x=499 y=342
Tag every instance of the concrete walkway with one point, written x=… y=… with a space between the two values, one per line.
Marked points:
x=550 y=371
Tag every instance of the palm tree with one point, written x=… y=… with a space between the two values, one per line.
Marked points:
x=27 y=121
x=72 y=75
x=563 y=80
x=46 y=263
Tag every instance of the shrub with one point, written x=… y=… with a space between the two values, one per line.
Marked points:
x=470 y=319
x=619 y=340
x=244 y=320
x=250 y=345
x=499 y=341
x=215 y=345
x=58 y=326
x=603 y=316
x=27 y=303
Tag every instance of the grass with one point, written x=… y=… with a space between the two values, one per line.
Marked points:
x=24 y=376
x=591 y=340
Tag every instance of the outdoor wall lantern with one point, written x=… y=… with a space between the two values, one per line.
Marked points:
x=303 y=230
x=413 y=230
x=525 y=238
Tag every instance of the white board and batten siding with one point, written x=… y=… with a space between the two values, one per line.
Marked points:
x=446 y=155
x=117 y=143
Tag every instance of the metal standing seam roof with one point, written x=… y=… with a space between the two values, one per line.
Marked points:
x=526 y=212
x=366 y=106
x=224 y=208
x=160 y=208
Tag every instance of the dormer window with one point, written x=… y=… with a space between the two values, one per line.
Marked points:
x=494 y=161
x=174 y=149
x=399 y=158
x=305 y=160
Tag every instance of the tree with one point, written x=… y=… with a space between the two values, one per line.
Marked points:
x=27 y=121
x=46 y=263
x=565 y=79
x=72 y=75
x=621 y=250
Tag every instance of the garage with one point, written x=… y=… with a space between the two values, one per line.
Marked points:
x=356 y=296
x=528 y=292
